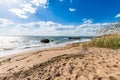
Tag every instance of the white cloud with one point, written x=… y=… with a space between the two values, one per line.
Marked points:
x=42 y=28
x=42 y=3
x=87 y=21
x=26 y=7
x=19 y=13
x=4 y=22
x=72 y=9
x=49 y=25
x=22 y=13
x=50 y=28
x=8 y=1
x=117 y=16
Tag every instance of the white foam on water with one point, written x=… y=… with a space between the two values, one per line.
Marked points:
x=15 y=45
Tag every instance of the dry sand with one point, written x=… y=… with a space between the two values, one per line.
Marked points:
x=65 y=63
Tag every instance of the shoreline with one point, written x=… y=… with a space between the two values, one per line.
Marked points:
x=17 y=52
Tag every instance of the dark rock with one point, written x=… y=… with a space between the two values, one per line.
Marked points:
x=74 y=38
x=52 y=40
x=45 y=40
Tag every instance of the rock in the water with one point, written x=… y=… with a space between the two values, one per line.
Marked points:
x=52 y=40
x=74 y=38
x=45 y=40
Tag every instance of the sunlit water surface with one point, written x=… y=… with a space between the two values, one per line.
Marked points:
x=10 y=45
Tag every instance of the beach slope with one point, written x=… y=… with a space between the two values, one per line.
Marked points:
x=66 y=63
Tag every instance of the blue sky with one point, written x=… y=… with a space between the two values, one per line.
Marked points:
x=57 y=17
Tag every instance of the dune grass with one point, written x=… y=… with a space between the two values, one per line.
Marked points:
x=106 y=41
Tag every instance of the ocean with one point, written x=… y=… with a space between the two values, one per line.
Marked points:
x=15 y=44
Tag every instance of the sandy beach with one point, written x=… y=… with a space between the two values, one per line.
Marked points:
x=64 y=63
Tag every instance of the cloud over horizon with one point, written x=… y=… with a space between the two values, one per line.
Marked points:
x=4 y=22
x=50 y=28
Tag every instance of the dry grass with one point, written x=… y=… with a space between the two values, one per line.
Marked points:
x=111 y=41
x=107 y=41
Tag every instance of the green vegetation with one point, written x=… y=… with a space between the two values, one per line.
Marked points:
x=106 y=41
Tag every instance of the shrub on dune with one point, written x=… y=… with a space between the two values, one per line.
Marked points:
x=107 y=41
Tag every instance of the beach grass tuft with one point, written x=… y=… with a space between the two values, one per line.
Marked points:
x=107 y=41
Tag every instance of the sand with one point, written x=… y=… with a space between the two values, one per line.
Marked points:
x=64 y=63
